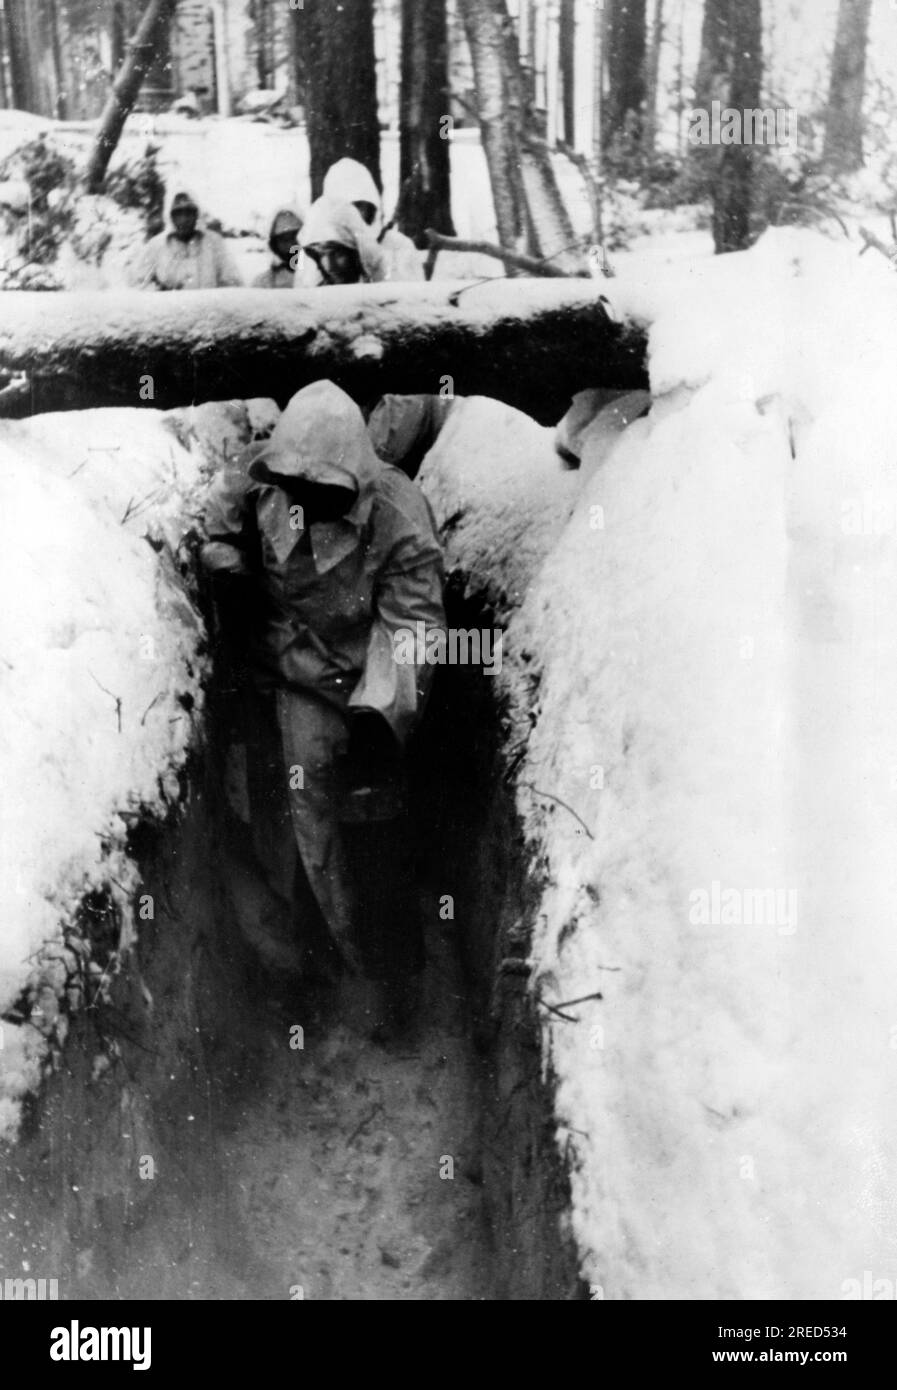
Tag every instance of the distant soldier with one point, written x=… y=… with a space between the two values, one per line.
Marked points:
x=284 y=244
x=189 y=257
x=350 y=182
x=403 y=429
x=338 y=248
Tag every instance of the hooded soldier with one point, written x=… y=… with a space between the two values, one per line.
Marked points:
x=284 y=243
x=403 y=429
x=350 y=182
x=338 y=247
x=342 y=555
x=187 y=257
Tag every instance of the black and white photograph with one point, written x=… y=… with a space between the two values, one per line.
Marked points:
x=448 y=663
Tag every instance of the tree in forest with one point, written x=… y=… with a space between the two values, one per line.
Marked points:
x=843 y=150
x=334 y=52
x=625 y=54
x=143 y=51
x=529 y=211
x=12 y=17
x=567 y=57
x=731 y=72
x=500 y=111
x=424 y=142
x=652 y=81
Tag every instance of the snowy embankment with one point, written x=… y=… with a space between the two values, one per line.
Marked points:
x=100 y=691
x=703 y=675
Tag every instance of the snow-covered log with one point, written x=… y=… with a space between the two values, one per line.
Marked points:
x=529 y=343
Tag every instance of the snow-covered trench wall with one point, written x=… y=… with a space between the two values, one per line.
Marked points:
x=106 y=820
x=670 y=818
x=688 y=819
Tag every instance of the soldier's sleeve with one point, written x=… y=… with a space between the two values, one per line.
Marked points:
x=408 y=606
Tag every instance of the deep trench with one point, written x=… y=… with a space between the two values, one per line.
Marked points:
x=183 y=1149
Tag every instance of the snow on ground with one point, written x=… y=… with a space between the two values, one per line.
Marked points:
x=100 y=677
x=243 y=171
x=716 y=719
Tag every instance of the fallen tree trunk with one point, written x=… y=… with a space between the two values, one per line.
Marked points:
x=530 y=343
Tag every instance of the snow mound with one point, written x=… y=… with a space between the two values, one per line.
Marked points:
x=100 y=685
x=499 y=504
x=715 y=750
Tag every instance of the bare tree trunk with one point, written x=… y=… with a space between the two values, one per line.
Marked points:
x=626 y=44
x=731 y=72
x=59 y=71
x=567 y=57
x=843 y=151
x=550 y=218
x=652 y=98
x=126 y=87
x=424 y=168
x=501 y=119
x=5 y=95
x=21 y=78
x=335 y=71
x=680 y=78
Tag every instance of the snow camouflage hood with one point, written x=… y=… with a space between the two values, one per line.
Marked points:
x=180 y=191
x=331 y=220
x=286 y=220
x=177 y=190
x=320 y=437
x=343 y=224
x=347 y=181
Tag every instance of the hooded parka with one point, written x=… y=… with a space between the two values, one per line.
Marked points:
x=280 y=276
x=332 y=596
x=349 y=181
x=202 y=263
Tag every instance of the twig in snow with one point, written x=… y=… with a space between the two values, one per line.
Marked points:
x=583 y=998
x=149 y=707
x=541 y=266
x=872 y=242
x=567 y=807
x=116 y=698
x=568 y=1018
x=363 y=1124
x=131 y=510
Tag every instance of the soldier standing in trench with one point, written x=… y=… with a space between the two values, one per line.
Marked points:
x=328 y=552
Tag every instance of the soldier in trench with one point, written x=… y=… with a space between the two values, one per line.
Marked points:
x=321 y=554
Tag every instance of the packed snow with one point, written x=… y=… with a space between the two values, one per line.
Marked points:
x=100 y=683
x=718 y=719
x=522 y=480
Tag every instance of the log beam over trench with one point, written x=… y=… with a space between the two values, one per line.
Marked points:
x=530 y=343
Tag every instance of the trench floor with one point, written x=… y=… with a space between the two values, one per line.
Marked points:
x=350 y=1169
